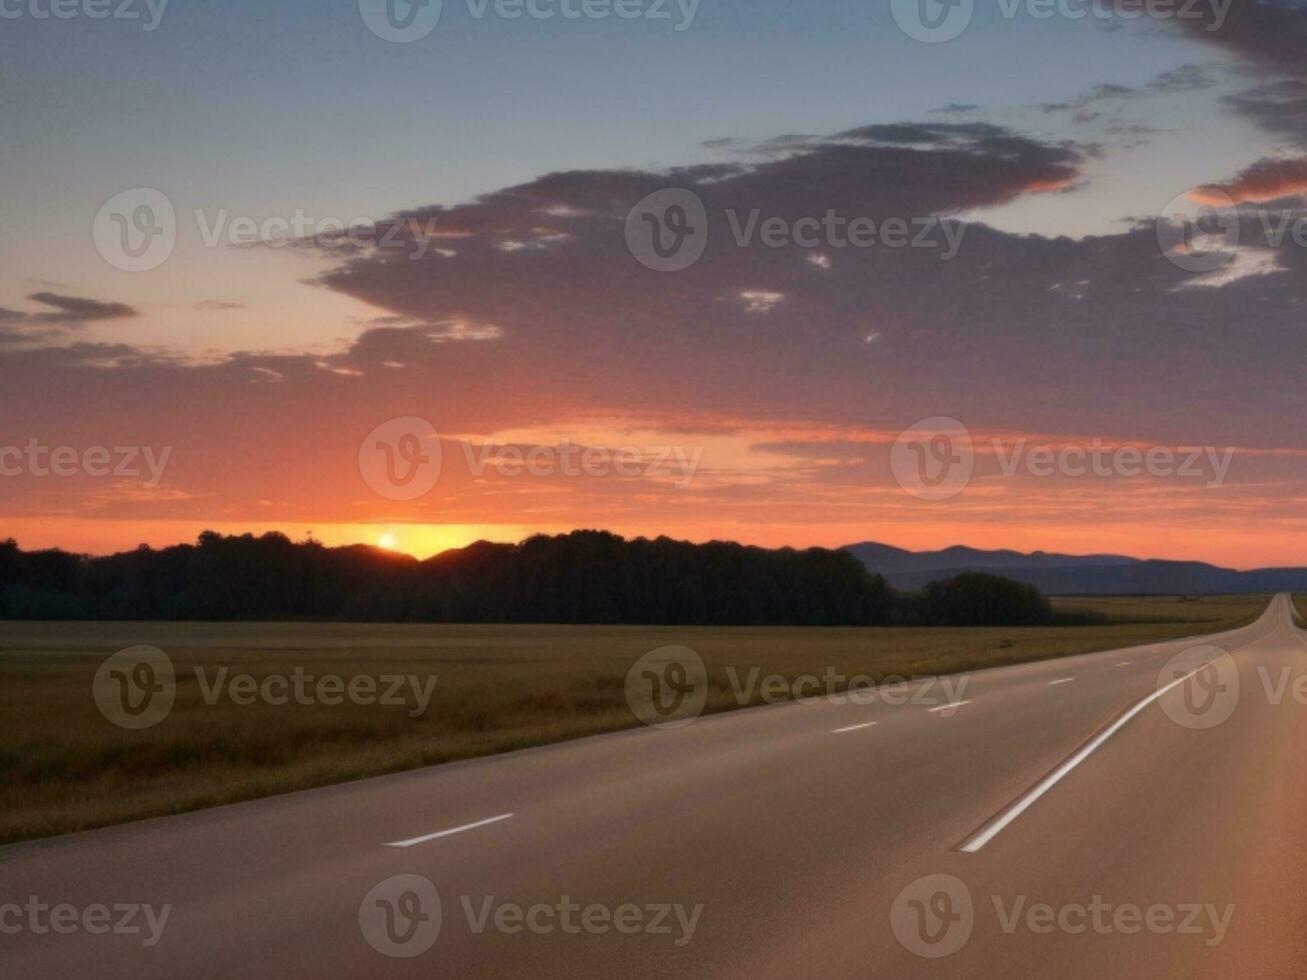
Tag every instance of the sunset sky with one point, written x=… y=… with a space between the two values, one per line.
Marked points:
x=508 y=153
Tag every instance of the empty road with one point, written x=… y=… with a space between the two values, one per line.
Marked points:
x=1137 y=813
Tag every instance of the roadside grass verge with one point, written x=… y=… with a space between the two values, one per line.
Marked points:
x=66 y=768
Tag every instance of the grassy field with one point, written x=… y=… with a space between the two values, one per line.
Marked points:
x=67 y=768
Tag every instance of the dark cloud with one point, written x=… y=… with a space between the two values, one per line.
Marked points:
x=1269 y=33
x=1099 y=93
x=75 y=309
x=1279 y=107
x=1271 y=37
x=1186 y=78
x=1016 y=333
x=928 y=134
x=53 y=326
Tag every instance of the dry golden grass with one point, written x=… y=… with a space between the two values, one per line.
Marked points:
x=67 y=768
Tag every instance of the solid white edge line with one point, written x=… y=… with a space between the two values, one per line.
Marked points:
x=450 y=832
x=1001 y=823
x=852 y=728
x=945 y=707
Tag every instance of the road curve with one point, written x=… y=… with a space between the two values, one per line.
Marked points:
x=1064 y=820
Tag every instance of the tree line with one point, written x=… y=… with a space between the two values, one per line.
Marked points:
x=592 y=577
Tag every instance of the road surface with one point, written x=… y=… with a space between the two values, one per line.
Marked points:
x=1066 y=821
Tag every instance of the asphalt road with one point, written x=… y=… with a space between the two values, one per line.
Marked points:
x=1065 y=821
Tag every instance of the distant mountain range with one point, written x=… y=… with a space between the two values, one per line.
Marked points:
x=1075 y=574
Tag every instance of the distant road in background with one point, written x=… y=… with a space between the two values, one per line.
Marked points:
x=1151 y=799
